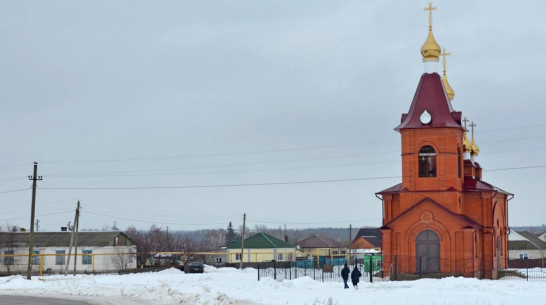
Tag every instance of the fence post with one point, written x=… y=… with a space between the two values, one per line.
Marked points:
x=420 y=266
x=396 y=266
x=322 y=275
x=527 y=263
x=314 y=273
x=258 y=272
x=290 y=271
x=371 y=269
x=275 y=270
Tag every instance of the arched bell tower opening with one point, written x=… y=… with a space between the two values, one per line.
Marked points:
x=427 y=161
x=427 y=250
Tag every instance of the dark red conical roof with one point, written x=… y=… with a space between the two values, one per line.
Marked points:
x=430 y=96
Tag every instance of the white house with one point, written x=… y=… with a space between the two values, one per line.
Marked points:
x=525 y=245
x=97 y=252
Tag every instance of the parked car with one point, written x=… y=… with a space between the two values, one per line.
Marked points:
x=194 y=267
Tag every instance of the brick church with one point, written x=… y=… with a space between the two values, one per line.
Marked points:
x=443 y=218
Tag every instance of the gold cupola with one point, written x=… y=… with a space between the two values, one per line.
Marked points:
x=449 y=91
x=467 y=147
x=430 y=49
x=475 y=149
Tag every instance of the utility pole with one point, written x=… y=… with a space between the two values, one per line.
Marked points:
x=77 y=225
x=34 y=178
x=73 y=238
x=243 y=241
x=350 y=237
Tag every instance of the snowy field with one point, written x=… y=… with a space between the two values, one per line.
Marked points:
x=226 y=286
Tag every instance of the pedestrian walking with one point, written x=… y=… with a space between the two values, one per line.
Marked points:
x=345 y=275
x=355 y=277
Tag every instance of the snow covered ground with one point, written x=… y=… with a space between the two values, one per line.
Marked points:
x=227 y=286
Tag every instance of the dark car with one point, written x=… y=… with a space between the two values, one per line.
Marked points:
x=194 y=267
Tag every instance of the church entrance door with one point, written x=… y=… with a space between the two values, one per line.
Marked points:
x=427 y=246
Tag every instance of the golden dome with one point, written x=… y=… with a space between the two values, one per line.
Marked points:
x=431 y=49
x=467 y=147
x=475 y=149
x=449 y=91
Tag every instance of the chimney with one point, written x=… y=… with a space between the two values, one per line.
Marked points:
x=64 y=229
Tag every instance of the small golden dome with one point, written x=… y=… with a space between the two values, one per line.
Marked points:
x=449 y=91
x=467 y=147
x=431 y=49
x=475 y=149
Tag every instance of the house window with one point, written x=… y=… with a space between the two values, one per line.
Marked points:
x=427 y=161
x=87 y=259
x=237 y=257
x=218 y=260
x=59 y=258
x=279 y=257
x=9 y=260
x=36 y=257
x=523 y=255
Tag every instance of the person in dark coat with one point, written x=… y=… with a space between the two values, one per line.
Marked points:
x=345 y=275
x=355 y=277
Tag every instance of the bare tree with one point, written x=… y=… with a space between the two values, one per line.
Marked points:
x=8 y=243
x=122 y=260
x=216 y=239
x=260 y=229
x=142 y=243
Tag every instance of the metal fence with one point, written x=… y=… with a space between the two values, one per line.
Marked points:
x=525 y=269
x=405 y=268
x=370 y=266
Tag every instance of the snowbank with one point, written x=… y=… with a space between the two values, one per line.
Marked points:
x=229 y=286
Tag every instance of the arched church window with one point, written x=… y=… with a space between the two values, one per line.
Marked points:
x=427 y=161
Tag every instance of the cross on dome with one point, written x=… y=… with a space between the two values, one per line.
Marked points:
x=429 y=9
x=431 y=49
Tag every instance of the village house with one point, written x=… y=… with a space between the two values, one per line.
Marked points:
x=259 y=248
x=97 y=252
x=525 y=245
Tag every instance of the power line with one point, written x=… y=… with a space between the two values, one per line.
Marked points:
x=221 y=154
x=153 y=222
x=215 y=172
x=514 y=168
x=12 y=191
x=217 y=185
x=41 y=215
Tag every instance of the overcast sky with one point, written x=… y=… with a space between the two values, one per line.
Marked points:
x=188 y=114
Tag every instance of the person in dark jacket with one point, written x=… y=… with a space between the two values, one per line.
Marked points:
x=355 y=277
x=345 y=275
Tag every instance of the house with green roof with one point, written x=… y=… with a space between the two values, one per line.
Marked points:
x=259 y=248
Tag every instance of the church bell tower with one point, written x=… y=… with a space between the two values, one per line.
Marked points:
x=442 y=218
